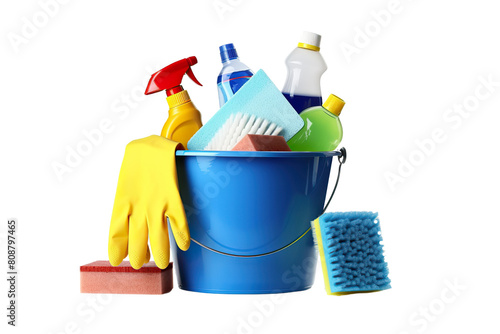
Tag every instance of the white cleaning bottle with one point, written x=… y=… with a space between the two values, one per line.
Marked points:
x=305 y=67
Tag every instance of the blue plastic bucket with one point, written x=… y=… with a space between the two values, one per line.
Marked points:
x=249 y=216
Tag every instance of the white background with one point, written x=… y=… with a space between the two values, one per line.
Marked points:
x=440 y=221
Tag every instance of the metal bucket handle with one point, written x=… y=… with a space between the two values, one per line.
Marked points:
x=342 y=158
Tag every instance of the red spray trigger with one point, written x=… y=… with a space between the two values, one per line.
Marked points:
x=190 y=74
x=169 y=78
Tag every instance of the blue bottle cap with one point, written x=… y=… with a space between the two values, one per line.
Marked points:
x=227 y=52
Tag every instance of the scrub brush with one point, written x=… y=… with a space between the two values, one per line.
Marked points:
x=258 y=97
x=351 y=253
x=238 y=126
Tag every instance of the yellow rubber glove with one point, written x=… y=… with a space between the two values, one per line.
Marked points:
x=147 y=193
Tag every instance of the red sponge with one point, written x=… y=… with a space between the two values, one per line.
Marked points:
x=102 y=277
x=262 y=143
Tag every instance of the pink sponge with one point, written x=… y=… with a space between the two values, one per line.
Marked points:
x=262 y=143
x=102 y=277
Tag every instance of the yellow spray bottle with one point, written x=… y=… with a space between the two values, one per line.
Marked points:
x=184 y=120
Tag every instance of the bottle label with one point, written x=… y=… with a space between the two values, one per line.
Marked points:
x=302 y=102
x=230 y=83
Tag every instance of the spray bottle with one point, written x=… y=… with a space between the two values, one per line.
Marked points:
x=184 y=120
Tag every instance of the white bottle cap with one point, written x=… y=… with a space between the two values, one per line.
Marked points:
x=310 y=40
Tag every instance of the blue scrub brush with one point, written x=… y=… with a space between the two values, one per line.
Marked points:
x=351 y=253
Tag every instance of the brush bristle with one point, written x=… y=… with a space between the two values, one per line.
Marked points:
x=238 y=126
x=353 y=252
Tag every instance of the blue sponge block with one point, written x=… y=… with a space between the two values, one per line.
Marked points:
x=352 y=252
x=259 y=97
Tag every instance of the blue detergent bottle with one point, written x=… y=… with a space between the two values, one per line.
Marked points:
x=234 y=73
x=305 y=67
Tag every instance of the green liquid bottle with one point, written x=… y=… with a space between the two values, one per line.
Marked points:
x=322 y=129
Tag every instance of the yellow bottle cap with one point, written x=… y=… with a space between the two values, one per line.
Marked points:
x=334 y=104
x=310 y=41
x=178 y=99
x=308 y=46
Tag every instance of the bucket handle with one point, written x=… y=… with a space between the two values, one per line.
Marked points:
x=342 y=158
